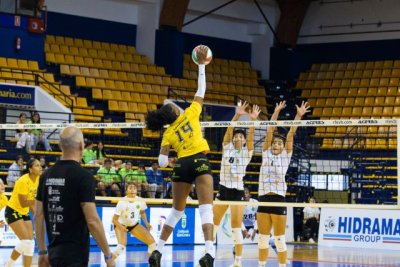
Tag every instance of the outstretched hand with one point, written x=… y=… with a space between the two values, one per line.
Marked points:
x=241 y=110
x=303 y=109
x=255 y=112
x=279 y=106
x=201 y=54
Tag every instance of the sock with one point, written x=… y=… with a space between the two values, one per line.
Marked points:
x=10 y=263
x=238 y=260
x=262 y=263
x=160 y=245
x=210 y=248
x=282 y=264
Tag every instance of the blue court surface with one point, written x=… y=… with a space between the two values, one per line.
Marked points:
x=299 y=256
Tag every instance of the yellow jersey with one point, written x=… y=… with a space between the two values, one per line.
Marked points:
x=3 y=201
x=23 y=186
x=185 y=135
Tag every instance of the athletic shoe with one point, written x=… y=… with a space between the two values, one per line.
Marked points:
x=155 y=259
x=235 y=265
x=206 y=261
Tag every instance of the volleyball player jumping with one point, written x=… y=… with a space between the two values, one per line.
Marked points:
x=236 y=155
x=185 y=136
x=272 y=186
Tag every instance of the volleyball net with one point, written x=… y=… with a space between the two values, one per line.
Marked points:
x=351 y=162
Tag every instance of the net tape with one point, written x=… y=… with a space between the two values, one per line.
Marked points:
x=212 y=124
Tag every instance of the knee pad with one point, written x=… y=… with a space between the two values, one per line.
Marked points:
x=280 y=243
x=31 y=248
x=26 y=247
x=263 y=241
x=237 y=236
x=206 y=214
x=120 y=248
x=173 y=217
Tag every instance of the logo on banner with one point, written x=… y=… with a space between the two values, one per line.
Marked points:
x=363 y=229
x=161 y=222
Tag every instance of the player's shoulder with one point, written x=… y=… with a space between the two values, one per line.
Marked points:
x=253 y=200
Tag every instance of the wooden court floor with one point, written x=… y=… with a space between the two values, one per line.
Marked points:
x=299 y=256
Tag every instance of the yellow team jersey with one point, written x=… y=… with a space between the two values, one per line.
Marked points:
x=23 y=186
x=185 y=135
x=3 y=201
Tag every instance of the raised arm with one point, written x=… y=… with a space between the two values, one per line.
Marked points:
x=241 y=110
x=253 y=116
x=271 y=129
x=303 y=109
x=201 y=54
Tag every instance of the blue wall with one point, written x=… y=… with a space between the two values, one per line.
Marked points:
x=92 y=29
x=171 y=45
x=31 y=43
x=286 y=64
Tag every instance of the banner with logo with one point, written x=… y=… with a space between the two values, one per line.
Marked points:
x=360 y=228
x=224 y=234
x=17 y=95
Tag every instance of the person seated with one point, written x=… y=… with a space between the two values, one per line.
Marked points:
x=15 y=171
x=155 y=179
x=101 y=155
x=43 y=163
x=24 y=138
x=89 y=155
x=38 y=135
x=139 y=176
x=108 y=180
x=311 y=220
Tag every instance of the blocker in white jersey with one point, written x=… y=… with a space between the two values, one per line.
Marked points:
x=273 y=170
x=277 y=152
x=233 y=164
x=236 y=155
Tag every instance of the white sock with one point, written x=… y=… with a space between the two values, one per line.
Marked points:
x=282 y=264
x=262 y=263
x=10 y=263
x=210 y=248
x=160 y=245
x=238 y=259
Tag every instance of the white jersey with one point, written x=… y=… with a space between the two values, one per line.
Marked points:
x=233 y=166
x=272 y=172
x=129 y=212
x=311 y=212
x=249 y=215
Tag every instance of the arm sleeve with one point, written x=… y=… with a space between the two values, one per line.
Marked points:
x=87 y=189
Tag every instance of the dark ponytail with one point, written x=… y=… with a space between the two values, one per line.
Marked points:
x=29 y=165
x=156 y=119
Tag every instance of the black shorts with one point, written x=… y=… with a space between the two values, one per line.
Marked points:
x=272 y=210
x=231 y=194
x=12 y=215
x=187 y=169
x=62 y=262
x=129 y=228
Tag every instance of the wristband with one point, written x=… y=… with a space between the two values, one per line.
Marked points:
x=42 y=252
x=106 y=258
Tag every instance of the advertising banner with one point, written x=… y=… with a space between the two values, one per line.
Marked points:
x=360 y=228
x=17 y=95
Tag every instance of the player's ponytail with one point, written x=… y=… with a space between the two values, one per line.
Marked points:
x=157 y=119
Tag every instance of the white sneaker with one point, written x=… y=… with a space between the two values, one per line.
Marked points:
x=236 y=265
x=311 y=240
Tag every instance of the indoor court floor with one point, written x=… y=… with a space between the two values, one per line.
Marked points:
x=299 y=256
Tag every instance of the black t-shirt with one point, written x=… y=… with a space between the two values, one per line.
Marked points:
x=62 y=189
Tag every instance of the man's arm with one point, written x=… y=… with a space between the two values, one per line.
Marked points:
x=95 y=226
x=40 y=233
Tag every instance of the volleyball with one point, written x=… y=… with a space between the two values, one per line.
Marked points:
x=209 y=55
